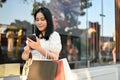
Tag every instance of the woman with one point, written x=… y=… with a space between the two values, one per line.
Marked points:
x=48 y=42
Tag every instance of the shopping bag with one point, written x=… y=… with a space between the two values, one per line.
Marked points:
x=67 y=70
x=63 y=70
x=60 y=73
x=42 y=70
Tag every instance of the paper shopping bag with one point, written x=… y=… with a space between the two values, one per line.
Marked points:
x=60 y=73
x=63 y=70
x=42 y=70
x=68 y=72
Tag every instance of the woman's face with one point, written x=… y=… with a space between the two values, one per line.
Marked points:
x=41 y=22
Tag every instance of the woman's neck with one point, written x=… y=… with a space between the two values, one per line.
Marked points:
x=42 y=34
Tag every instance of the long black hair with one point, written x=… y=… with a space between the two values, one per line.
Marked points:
x=48 y=16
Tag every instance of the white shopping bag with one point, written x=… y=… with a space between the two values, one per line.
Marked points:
x=68 y=73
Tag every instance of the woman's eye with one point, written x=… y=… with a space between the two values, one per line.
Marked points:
x=42 y=19
x=37 y=19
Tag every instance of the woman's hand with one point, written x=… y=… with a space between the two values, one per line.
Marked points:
x=26 y=52
x=35 y=45
x=27 y=49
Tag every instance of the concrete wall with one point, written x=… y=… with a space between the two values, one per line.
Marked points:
x=110 y=72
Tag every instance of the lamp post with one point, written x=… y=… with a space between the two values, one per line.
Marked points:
x=102 y=16
x=102 y=26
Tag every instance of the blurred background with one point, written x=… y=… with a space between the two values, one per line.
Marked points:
x=86 y=28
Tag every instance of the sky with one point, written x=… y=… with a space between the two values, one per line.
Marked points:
x=18 y=10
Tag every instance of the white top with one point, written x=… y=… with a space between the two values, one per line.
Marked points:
x=52 y=45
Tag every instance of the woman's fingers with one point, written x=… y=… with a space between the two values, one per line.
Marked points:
x=32 y=44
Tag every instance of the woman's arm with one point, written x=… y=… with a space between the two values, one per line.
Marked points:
x=49 y=54
x=26 y=53
x=36 y=46
x=55 y=46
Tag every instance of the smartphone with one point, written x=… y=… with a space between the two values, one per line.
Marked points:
x=32 y=37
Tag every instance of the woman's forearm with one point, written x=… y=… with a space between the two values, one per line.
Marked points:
x=48 y=54
x=25 y=55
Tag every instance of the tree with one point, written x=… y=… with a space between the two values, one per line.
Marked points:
x=2 y=2
x=36 y=5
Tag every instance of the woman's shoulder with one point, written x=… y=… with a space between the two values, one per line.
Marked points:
x=55 y=33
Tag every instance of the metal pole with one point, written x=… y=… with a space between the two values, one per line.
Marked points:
x=102 y=28
x=87 y=41
x=102 y=16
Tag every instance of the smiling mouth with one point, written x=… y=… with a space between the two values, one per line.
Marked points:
x=39 y=26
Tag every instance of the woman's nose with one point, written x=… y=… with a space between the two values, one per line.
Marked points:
x=39 y=22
